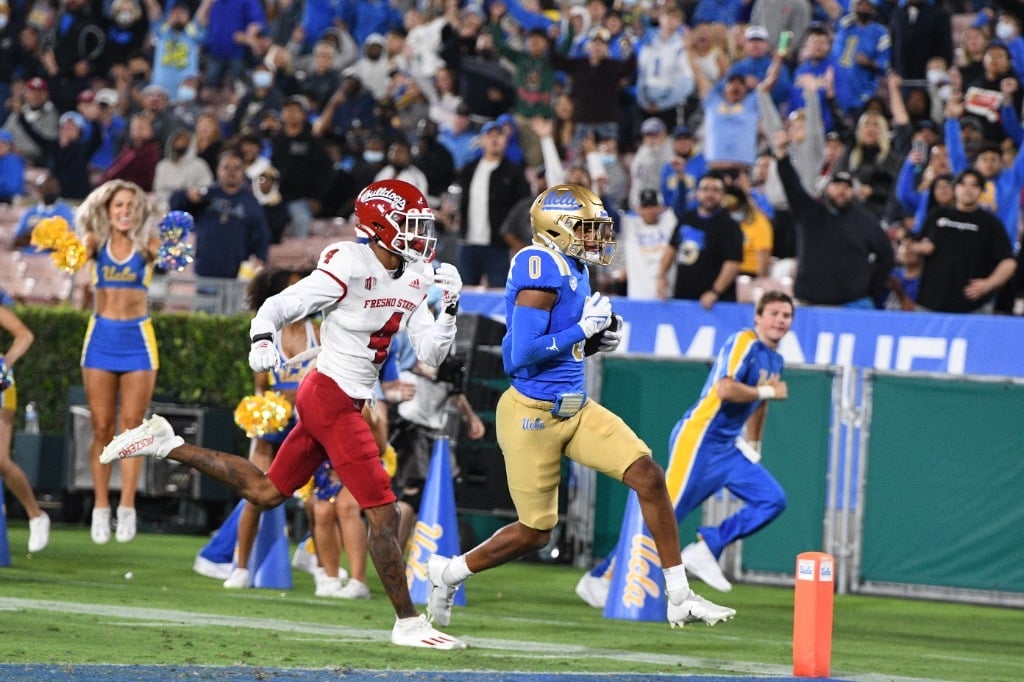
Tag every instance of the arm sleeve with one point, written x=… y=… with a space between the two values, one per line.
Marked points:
x=310 y=294
x=955 y=146
x=908 y=195
x=531 y=341
x=430 y=338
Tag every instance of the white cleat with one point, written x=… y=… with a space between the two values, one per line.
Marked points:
x=702 y=564
x=238 y=580
x=593 y=590
x=697 y=609
x=328 y=587
x=38 y=532
x=354 y=589
x=417 y=632
x=100 y=531
x=153 y=438
x=439 y=603
x=126 y=518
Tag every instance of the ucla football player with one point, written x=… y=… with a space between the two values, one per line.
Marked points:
x=553 y=323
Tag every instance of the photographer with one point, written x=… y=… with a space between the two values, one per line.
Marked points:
x=419 y=422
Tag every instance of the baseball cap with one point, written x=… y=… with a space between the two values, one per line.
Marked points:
x=842 y=176
x=375 y=39
x=682 y=131
x=755 y=32
x=154 y=89
x=462 y=109
x=600 y=33
x=5 y=136
x=649 y=197
x=86 y=96
x=73 y=117
x=489 y=126
x=37 y=83
x=652 y=126
x=107 y=96
x=834 y=136
x=299 y=101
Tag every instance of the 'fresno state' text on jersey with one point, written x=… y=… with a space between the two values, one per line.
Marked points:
x=537 y=267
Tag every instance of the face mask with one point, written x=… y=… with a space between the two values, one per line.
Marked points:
x=186 y=93
x=936 y=76
x=1005 y=30
x=865 y=17
x=124 y=18
x=945 y=92
x=262 y=79
x=607 y=159
x=370 y=156
x=738 y=216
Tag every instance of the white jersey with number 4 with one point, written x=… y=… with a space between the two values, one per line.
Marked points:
x=363 y=307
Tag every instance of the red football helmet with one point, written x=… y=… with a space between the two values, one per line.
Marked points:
x=397 y=216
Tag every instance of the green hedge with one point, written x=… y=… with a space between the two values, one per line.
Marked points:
x=203 y=360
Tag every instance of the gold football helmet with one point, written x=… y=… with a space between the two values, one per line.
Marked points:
x=571 y=219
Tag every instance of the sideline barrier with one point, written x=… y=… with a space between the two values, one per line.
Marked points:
x=812 y=614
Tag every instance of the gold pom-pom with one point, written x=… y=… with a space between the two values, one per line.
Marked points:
x=48 y=232
x=68 y=252
x=390 y=460
x=259 y=415
x=306 y=491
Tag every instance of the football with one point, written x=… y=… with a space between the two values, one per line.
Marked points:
x=594 y=342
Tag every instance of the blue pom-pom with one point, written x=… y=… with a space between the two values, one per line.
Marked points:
x=175 y=255
x=176 y=225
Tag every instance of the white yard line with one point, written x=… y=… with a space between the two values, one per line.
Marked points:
x=506 y=647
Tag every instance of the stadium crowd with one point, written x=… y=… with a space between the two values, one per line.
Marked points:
x=817 y=146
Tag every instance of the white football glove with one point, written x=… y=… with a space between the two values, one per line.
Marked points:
x=263 y=356
x=449 y=281
x=597 y=315
x=612 y=336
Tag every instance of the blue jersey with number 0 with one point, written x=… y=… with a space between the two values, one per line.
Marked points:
x=537 y=267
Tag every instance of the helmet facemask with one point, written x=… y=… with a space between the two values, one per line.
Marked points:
x=593 y=239
x=415 y=236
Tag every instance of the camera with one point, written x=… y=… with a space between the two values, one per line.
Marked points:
x=453 y=371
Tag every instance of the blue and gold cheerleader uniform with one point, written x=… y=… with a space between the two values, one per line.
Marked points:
x=120 y=345
x=288 y=378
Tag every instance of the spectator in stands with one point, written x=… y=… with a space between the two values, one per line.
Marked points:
x=112 y=128
x=759 y=58
x=845 y=257
x=460 y=140
x=491 y=186
x=905 y=281
x=731 y=115
x=680 y=175
x=654 y=152
x=534 y=81
x=920 y=31
x=369 y=17
x=48 y=205
x=320 y=84
x=208 y=140
x=757 y=231
x=78 y=138
x=805 y=127
x=12 y=170
x=595 y=91
x=863 y=66
x=817 y=61
x=709 y=52
x=705 y=249
x=185 y=108
x=873 y=161
x=9 y=57
x=968 y=258
x=434 y=159
x=180 y=168
x=127 y=28
x=318 y=16
x=262 y=96
x=178 y=38
x=136 y=162
x=350 y=105
x=485 y=85
x=984 y=93
x=399 y=166
x=303 y=164
x=643 y=236
x=610 y=177
x=31 y=108
x=232 y=24
x=156 y=105
x=231 y=227
x=267 y=189
x=119 y=357
x=78 y=46
x=372 y=157
x=664 y=77
x=372 y=66
x=30 y=54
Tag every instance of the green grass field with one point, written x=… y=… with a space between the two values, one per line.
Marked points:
x=72 y=605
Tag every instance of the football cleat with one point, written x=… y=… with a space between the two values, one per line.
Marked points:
x=702 y=564
x=153 y=438
x=439 y=603
x=593 y=590
x=354 y=589
x=417 y=632
x=38 y=532
x=697 y=609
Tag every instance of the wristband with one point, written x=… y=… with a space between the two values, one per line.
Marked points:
x=765 y=392
x=263 y=337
